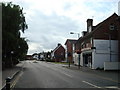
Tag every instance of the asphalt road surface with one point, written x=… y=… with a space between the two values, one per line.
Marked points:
x=48 y=75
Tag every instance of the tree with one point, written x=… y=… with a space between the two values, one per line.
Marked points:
x=13 y=46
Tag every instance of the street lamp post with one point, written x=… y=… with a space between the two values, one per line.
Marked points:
x=78 y=53
x=75 y=33
x=19 y=58
x=11 y=57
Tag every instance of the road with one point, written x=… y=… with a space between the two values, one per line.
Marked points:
x=48 y=75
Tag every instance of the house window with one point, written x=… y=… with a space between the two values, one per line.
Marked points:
x=112 y=27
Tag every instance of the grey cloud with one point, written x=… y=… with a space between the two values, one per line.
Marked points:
x=50 y=30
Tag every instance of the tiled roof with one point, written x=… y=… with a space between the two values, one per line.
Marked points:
x=57 y=48
x=71 y=41
x=95 y=28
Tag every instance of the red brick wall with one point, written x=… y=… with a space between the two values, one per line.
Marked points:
x=115 y=34
x=60 y=54
x=104 y=28
x=69 y=49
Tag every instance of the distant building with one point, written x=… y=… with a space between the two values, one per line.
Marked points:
x=41 y=56
x=44 y=56
x=70 y=49
x=58 y=54
x=29 y=57
x=35 y=56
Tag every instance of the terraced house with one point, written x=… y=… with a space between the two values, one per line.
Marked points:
x=99 y=44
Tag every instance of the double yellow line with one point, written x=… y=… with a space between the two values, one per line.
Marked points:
x=16 y=79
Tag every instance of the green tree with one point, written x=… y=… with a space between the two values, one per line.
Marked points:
x=13 y=46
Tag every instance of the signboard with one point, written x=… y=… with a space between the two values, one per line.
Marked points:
x=102 y=44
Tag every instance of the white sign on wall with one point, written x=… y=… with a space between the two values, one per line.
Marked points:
x=101 y=44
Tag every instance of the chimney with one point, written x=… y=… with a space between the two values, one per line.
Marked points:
x=59 y=44
x=89 y=23
x=119 y=8
x=84 y=33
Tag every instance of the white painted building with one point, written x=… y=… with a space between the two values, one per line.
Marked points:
x=101 y=54
x=99 y=45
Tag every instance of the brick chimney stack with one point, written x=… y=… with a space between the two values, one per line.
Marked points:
x=89 y=23
x=59 y=44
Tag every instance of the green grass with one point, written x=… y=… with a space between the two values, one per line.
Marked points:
x=60 y=62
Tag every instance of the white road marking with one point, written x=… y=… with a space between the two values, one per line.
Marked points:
x=60 y=71
x=91 y=84
x=111 y=87
x=67 y=74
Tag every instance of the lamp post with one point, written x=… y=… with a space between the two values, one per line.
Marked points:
x=11 y=57
x=78 y=52
x=19 y=58
x=75 y=33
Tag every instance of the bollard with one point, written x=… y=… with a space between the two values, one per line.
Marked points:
x=8 y=80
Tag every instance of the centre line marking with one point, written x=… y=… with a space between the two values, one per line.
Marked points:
x=67 y=74
x=91 y=84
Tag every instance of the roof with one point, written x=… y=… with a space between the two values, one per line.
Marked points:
x=71 y=41
x=57 y=47
x=95 y=28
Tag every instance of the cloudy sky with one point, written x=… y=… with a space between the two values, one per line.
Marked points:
x=51 y=21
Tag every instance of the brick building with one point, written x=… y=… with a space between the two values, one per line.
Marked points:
x=58 y=54
x=70 y=49
x=99 y=43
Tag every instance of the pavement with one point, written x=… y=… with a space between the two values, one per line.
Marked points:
x=110 y=75
x=11 y=72
x=113 y=75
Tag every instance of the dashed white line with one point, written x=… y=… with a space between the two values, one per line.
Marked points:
x=67 y=74
x=91 y=84
x=60 y=71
